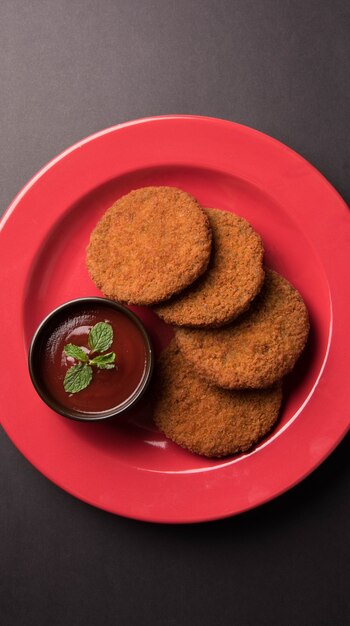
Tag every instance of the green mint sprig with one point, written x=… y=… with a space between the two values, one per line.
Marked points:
x=79 y=376
x=100 y=337
x=104 y=361
x=77 y=353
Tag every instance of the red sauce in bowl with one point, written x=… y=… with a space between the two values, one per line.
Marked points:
x=110 y=390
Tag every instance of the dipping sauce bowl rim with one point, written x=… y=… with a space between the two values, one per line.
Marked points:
x=98 y=415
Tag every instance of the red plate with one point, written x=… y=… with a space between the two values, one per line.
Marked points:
x=127 y=467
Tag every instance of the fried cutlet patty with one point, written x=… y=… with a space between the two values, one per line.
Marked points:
x=259 y=347
x=149 y=245
x=234 y=276
x=205 y=419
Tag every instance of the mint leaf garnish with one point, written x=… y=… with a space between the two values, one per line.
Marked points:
x=104 y=361
x=77 y=353
x=77 y=378
x=80 y=376
x=100 y=337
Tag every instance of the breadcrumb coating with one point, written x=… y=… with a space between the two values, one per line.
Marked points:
x=205 y=419
x=259 y=347
x=233 y=279
x=152 y=243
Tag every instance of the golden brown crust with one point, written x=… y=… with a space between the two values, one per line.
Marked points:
x=234 y=276
x=205 y=419
x=260 y=347
x=149 y=245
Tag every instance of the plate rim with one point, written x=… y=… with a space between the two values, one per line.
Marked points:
x=115 y=127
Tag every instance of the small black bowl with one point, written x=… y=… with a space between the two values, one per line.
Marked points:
x=47 y=326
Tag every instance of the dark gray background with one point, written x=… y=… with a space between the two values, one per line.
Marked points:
x=69 y=68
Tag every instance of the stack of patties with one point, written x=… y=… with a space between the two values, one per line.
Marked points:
x=238 y=329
